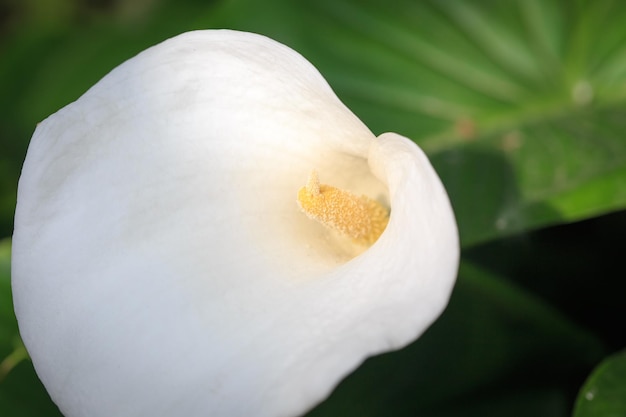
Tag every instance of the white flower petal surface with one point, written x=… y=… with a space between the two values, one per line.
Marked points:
x=161 y=266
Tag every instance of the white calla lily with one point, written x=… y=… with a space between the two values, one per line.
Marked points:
x=162 y=266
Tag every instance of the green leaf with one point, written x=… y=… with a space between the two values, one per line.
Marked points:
x=604 y=393
x=519 y=103
x=8 y=324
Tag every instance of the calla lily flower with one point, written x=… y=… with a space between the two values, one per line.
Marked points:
x=167 y=263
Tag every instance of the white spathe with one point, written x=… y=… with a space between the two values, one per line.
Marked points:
x=161 y=266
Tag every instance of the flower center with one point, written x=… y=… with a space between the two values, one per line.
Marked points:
x=359 y=218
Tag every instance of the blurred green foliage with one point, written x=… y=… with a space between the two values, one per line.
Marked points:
x=519 y=104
